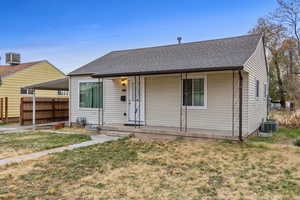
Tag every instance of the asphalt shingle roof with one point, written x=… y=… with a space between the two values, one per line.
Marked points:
x=6 y=70
x=219 y=54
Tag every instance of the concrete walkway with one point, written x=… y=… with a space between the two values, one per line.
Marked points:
x=18 y=128
x=95 y=139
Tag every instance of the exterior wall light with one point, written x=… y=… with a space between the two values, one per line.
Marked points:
x=124 y=82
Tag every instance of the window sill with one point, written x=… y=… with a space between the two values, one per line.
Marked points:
x=89 y=109
x=195 y=107
x=27 y=95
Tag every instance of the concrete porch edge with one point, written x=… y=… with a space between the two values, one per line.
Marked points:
x=163 y=131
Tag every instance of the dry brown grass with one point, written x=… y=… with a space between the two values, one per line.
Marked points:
x=77 y=130
x=132 y=169
x=288 y=119
x=15 y=144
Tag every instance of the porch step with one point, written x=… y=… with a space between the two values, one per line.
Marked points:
x=117 y=133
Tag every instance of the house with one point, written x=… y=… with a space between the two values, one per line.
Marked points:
x=214 y=88
x=16 y=76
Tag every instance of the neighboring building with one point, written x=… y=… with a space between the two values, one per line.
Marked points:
x=187 y=89
x=15 y=77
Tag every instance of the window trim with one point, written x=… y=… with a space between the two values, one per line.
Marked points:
x=194 y=76
x=84 y=108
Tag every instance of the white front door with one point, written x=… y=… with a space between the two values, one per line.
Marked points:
x=136 y=100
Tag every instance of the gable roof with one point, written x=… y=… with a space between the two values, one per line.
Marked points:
x=6 y=70
x=210 y=55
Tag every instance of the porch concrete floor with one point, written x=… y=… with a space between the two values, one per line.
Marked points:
x=172 y=131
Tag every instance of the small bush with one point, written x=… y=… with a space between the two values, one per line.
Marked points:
x=288 y=119
x=297 y=142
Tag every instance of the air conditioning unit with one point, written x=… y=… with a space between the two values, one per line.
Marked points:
x=269 y=126
x=13 y=58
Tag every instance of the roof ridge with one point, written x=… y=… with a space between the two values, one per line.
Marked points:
x=33 y=62
x=187 y=43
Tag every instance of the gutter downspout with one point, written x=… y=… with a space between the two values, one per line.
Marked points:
x=240 y=106
x=268 y=78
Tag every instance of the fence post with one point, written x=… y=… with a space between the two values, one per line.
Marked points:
x=1 y=109
x=6 y=109
x=22 y=111
x=53 y=110
x=33 y=108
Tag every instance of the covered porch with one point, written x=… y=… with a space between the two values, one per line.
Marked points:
x=164 y=105
x=45 y=110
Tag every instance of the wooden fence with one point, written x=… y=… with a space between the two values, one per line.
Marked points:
x=4 y=109
x=47 y=110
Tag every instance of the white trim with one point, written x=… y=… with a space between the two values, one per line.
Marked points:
x=253 y=54
x=83 y=108
x=197 y=76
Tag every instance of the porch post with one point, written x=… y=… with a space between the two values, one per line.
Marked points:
x=181 y=97
x=70 y=106
x=241 y=107
x=185 y=128
x=139 y=101
x=102 y=92
x=33 y=107
x=233 y=103
x=99 y=109
x=134 y=101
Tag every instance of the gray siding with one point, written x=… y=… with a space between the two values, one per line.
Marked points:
x=257 y=106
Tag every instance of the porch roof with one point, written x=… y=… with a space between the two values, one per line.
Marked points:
x=58 y=84
x=211 y=55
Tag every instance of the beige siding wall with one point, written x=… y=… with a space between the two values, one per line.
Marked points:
x=163 y=103
x=257 y=106
x=163 y=100
x=12 y=84
x=114 y=109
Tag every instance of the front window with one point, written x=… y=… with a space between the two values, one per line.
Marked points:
x=90 y=95
x=26 y=91
x=194 y=92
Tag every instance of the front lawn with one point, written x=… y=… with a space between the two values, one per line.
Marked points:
x=282 y=136
x=13 y=144
x=133 y=169
x=3 y=123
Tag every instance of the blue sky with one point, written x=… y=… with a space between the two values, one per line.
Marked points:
x=70 y=33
